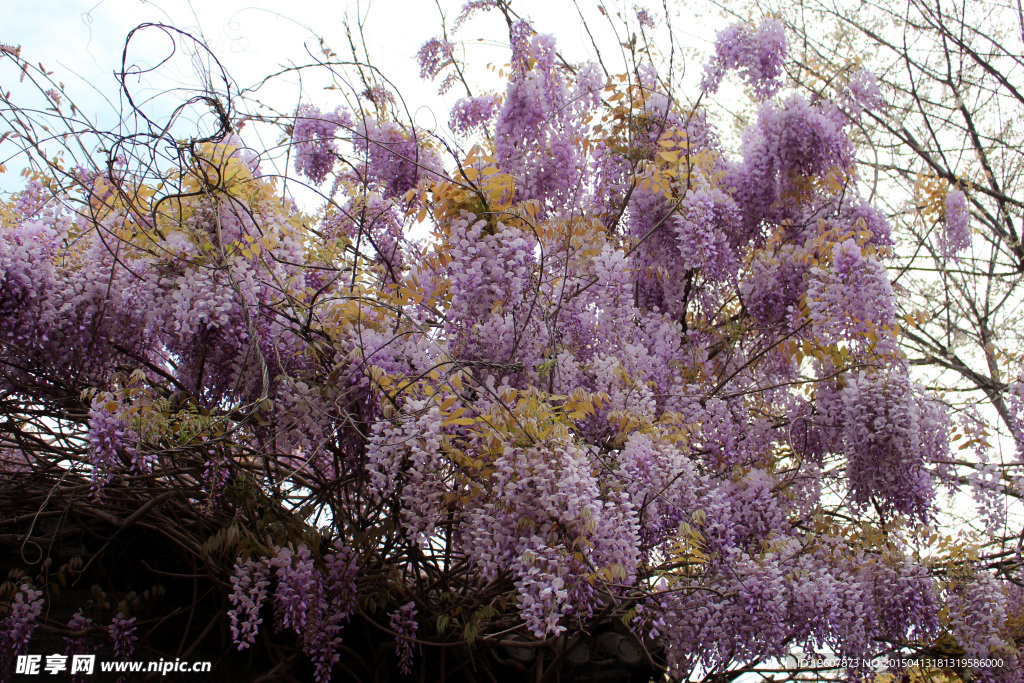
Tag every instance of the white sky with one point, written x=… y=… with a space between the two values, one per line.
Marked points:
x=82 y=41
x=253 y=37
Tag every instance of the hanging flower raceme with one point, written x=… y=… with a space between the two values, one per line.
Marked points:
x=122 y=631
x=890 y=431
x=757 y=53
x=956 y=234
x=403 y=622
x=249 y=591
x=16 y=629
x=315 y=135
x=470 y=114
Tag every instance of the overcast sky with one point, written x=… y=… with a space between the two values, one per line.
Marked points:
x=82 y=42
x=253 y=37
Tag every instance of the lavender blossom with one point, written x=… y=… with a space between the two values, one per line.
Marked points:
x=472 y=113
x=315 y=145
x=297 y=586
x=403 y=622
x=956 y=219
x=17 y=628
x=757 y=53
x=122 y=631
x=249 y=582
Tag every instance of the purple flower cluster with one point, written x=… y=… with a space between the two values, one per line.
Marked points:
x=334 y=604
x=956 y=218
x=403 y=623
x=788 y=145
x=853 y=299
x=890 y=430
x=79 y=644
x=16 y=629
x=861 y=94
x=539 y=123
x=544 y=579
x=776 y=283
x=662 y=482
x=649 y=621
x=342 y=570
x=550 y=527
x=310 y=601
x=249 y=591
x=316 y=147
x=492 y=282
x=470 y=8
x=745 y=615
x=296 y=587
x=122 y=632
x=977 y=615
x=986 y=483
x=33 y=200
x=434 y=56
x=395 y=158
x=409 y=451
x=25 y=280
x=109 y=436
x=757 y=53
x=469 y=114
x=1016 y=405
x=823 y=596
